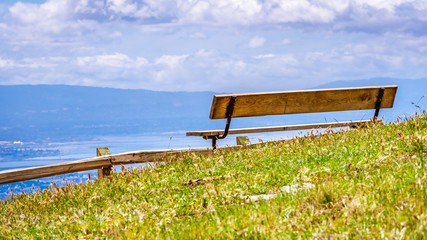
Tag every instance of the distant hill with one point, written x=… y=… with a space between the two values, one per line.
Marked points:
x=59 y=112
x=31 y=112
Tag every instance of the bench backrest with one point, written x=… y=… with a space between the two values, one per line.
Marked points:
x=309 y=101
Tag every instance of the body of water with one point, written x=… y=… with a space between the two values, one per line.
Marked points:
x=76 y=150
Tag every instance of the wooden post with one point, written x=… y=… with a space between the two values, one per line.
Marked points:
x=242 y=140
x=105 y=171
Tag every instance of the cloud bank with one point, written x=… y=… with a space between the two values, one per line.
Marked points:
x=226 y=45
x=68 y=19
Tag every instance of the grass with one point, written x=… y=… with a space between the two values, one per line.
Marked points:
x=368 y=183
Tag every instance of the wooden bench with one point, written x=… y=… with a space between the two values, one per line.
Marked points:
x=293 y=102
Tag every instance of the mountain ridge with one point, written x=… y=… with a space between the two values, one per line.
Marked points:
x=39 y=112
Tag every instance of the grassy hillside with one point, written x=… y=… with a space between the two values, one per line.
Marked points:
x=366 y=183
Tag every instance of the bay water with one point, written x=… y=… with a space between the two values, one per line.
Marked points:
x=77 y=150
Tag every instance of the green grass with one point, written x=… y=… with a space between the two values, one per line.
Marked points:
x=368 y=183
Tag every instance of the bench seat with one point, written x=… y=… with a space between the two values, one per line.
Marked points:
x=209 y=133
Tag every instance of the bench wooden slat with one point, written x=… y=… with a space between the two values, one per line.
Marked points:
x=308 y=101
x=278 y=128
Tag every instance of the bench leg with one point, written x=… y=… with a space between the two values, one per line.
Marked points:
x=229 y=113
x=214 y=142
x=378 y=103
x=213 y=138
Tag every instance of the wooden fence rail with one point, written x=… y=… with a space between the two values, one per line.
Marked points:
x=104 y=162
x=23 y=174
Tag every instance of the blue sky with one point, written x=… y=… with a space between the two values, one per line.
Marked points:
x=215 y=45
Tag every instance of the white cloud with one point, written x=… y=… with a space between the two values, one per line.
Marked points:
x=264 y=56
x=117 y=9
x=219 y=12
x=6 y=63
x=388 y=5
x=141 y=61
x=116 y=34
x=256 y=42
x=171 y=61
x=117 y=60
x=197 y=35
x=52 y=16
x=204 y=53
x=34 y=63
x=51 y=22
x=70 y=20
x=286 y=41
x=298 y=11
x=124 y=7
